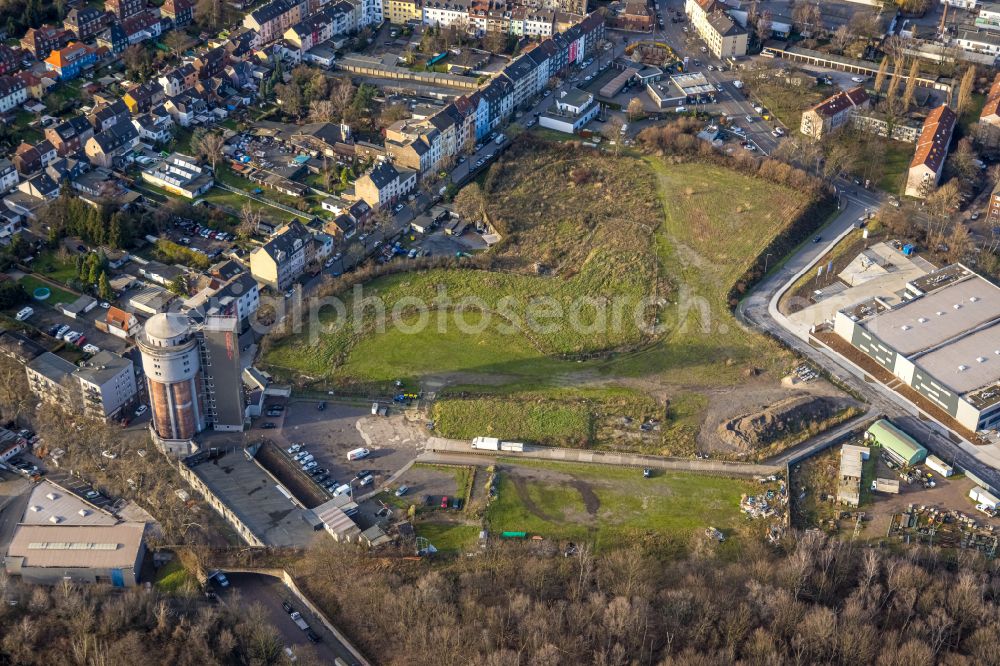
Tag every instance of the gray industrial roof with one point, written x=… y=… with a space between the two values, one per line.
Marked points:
x=967 y=364
x=937 y=317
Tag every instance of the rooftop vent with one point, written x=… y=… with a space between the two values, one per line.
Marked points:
x=55 y=520
x=957 y=306
x=981 y=359
x=922 y=320
x=83 y=512
x=939 y=313
x=973 y=299
x=52 y=496
x=963 y=368
x=905 y=327
x=36 y=508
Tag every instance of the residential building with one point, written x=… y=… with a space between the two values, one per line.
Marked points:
x=181 y=175
x=42 y=41
x=69 y=136
x=185 y=108
x=178 y=80
x=39 y=186
x=724 y=37
x=573 y=109
x=54 y=554
x=11 y=444
x=70 y=61
x=446 y=12
x=977 y=41
x=123 y=9
x=833 y=113
x=106 y=116
x=50 y=378
x=283 y=259
x=114 y=39
x=86 y=22
x=988 y=17
x=8 y=175
x=239 y=297
x=13 y=93
x=384 y=184
x=932 y=149
x=990 y=114
x=29 y=159
x=154 y=128
x=143 y=97
x=414 y=145
x=211 y=63
x=142 y=26
x=272 y=19
x=104 y=147
x=108 y=384
x=121 y=324
x=320 y=27
x=401 y=11
x=178 y=12
x=906 y=130
x=10 y=60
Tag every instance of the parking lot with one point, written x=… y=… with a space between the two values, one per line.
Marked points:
x=269 y=592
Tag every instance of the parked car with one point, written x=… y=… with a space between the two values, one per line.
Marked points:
x=141 y=410
x=444 y=502
x=402 y=490
x=294 y=448
x=269 y=425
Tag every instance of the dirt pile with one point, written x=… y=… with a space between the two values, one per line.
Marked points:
x=756 y=430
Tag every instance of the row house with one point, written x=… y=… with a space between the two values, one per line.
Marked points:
x=185 y=108
x=522 y=74
x=31 y=158
x=9 y=176
x=530 y=22
x=931 y=152
x=401 y=11
x=70 y=61
x=124 y=8
x=414 y=145
x=66 y=169
x=35 y=86
x=103 y=148
x=40 y=186
x=443 y=13
x=155 y=128
x=10 y=60
x=282 y=260
x=144 y=97
x=178 y=80
x=105 y=116
x=321 y=26
x=13 y=93
x=990 y=115
x=385 y=184
x=271 y=20
x=86 y=22
x=178 y=12
x=42 y=41
x=69 y=136
x=143 y=26
x=833 y=113
x=211 y=63
x=242 y=43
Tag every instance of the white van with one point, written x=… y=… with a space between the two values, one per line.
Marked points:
x=24 y=313
x=358 y=454
x=342 y=490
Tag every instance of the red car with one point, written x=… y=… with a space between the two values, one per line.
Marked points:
x=444 y=502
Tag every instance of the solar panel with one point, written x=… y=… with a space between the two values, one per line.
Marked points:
x=56 y=545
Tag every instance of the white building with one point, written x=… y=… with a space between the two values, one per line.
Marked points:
x=13 y=93
x=108 y=384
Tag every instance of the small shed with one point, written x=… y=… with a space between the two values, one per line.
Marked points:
x=887 y=486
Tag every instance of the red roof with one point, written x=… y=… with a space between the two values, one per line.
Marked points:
x=844 y=99
x=992 y=99
x=935 y=137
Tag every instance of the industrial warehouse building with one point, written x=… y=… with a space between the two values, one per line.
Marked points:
x=897 y=444
x=942 y=340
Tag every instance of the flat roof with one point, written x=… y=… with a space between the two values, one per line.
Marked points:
x=253 y=496
x=939 y=316
x=692 y=83
x=851 y=459
x=967 y=364
x=73 y=546
x=49 y=504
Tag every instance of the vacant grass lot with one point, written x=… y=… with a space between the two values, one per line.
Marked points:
x=54 y=268
x=611 y=506
x=593 y=226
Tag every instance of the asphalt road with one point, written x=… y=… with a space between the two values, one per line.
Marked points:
x=269 y=592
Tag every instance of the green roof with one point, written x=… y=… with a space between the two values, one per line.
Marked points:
x=897 y=441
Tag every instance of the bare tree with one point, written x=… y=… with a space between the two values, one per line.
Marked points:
x=881 y=74
x=613 y=132
x=209 y=145
x=635 y=109
x=911 y=85
x=322 y=111
x=250 y=218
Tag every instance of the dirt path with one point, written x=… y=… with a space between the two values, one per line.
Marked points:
x=522 y=492
x=590 y=499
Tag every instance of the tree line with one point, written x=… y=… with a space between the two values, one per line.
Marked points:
x=813 y=600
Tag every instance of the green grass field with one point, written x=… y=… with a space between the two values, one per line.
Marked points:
x=54 y=268
x=172 y=576
x=58 y=296
x=448 y=537
x=599 y=227
x=611 y=506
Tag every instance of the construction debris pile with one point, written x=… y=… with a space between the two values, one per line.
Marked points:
x=767 y=504
x=946 y=528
